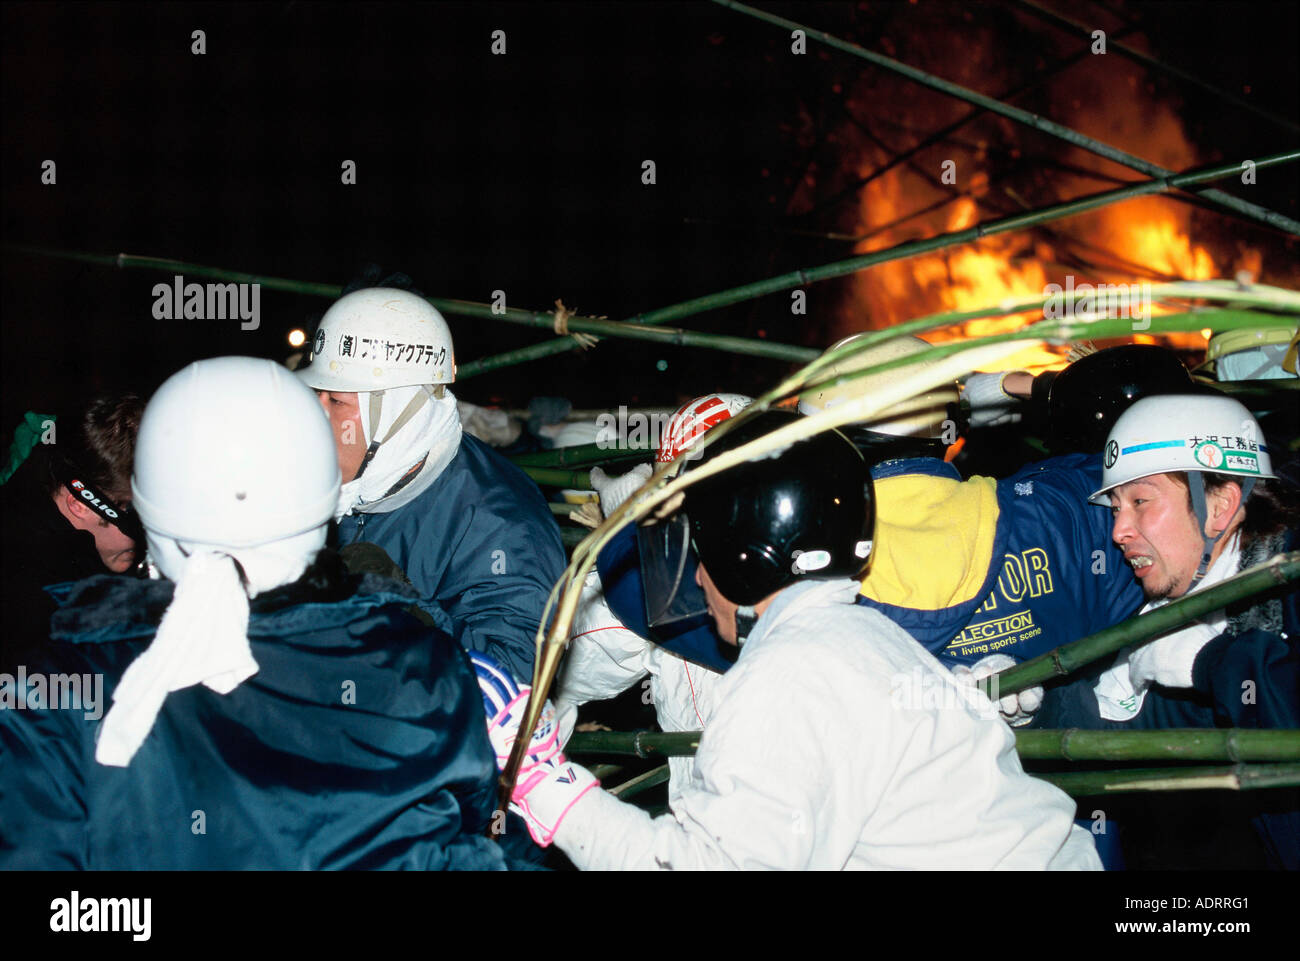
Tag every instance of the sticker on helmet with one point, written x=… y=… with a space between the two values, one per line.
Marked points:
x=1209 y=454
x=1242 y=461
x=1112 y=454
x=319 y=347
x=809 y=561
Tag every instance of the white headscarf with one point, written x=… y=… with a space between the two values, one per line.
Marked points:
x=203 y=636
x=432 y=434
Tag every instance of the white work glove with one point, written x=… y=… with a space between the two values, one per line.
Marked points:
x=548 y=785
x=990 y=405
x=1169 y=660
x=1016 y=709
x=613 y=492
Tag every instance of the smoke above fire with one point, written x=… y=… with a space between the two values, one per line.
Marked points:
x=991 y=167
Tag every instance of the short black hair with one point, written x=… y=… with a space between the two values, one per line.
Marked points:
x=97 y=441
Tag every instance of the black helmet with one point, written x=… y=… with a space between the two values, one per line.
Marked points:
x=807 y=512
x=1085 y=399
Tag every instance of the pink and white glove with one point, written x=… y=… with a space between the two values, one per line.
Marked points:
x=1016 y=709
x=548 y=785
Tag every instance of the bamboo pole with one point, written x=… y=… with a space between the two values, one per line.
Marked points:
x=749 y=346
x=641 y=783
x=901 y=251
x=1072 y=26
x=666 y=485
x=597 y=453
x=1138 y=630
x=1039 y=123
x=1185 y=744
x=575 y=479
x=1238 y=777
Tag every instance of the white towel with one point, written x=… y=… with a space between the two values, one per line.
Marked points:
x=203 y=639
x=432 y=434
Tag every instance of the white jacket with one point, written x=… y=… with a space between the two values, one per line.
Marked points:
x=605 y=659
x=837 y=742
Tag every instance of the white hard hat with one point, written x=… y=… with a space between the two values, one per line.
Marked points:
x=695 y=417
x=378 y=338
x=921 y=416
x=234 y=452
x=1199 y=433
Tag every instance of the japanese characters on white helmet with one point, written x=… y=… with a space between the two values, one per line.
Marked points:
x=921 y=416
x=692 y=419
x=379 y=338
x=1192 y=433
x=235 y=452
x=1183 y=432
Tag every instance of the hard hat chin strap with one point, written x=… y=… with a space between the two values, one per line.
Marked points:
x=1196 y=487
x=376 y=410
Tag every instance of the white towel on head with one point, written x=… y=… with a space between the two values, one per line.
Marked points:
x=203 y=639
x=431 y=435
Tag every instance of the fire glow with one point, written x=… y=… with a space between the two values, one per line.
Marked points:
x=1149 y=239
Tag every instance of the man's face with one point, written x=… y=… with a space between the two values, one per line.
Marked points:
x=342 y=409
x=722 y=610
x=1158 y=534
x=116 y=549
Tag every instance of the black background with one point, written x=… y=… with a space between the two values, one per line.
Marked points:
x=478 y=172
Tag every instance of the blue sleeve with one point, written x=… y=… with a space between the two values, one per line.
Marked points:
x=1252 y=678
x=505 y=557
x=43 y=811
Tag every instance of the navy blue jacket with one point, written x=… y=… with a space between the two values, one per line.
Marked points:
x=481 y=547
x=1054 y=577
x=359 y=743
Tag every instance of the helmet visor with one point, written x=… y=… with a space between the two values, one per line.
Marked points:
x=668 y=567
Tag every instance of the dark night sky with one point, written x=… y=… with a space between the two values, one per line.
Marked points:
x=475 y=172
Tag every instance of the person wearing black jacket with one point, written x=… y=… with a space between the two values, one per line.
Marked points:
x=66 y=515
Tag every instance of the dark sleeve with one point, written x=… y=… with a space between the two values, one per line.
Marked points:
x=494 y=562
x=1253 y=679
x=43 y=811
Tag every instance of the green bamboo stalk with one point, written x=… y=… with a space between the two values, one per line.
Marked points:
x=1239 y=777
x=575 y=479
x=901 y=251
x=309 y=287
x=1140 y=629
x=1146 y=60
x=641 y=783
x=639 y=743
x=1041 y=124
x=753 y=347
x=1187 y=744
x=571 y=536
x=629 y=330
x=597 y=453
x=1262 y=389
